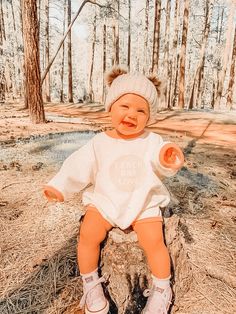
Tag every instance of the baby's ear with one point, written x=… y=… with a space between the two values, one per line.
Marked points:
x=154 y=79
x=114 y=73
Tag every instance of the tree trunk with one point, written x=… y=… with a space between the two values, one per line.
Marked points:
x=23 y=84
x=199 y=70
x=2 y=70
x=183 y=55
x=176 y=90
x=38 y=3
x=169 y=103
x=200 y=85
x=167 y=70
x=213 y=95
x=225 y=57
x=90 y=79
x=117 y=34
x=129 y=36
x=175 y=60
x=2 y=81
x=64 y=37
x=70 y=82
x=113 y=57
x=145 y=64
x=31 y=57
x=15 y=66
x=104 y=59
x=232 y=75
x=2 y=29
x=215 y=84
x=47 y=52
x=219 y=33
x=63 y=57
x=156 y=36
x=10 y=45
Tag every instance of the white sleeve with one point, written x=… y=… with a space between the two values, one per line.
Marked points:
x=161 y=170
x=76 y=172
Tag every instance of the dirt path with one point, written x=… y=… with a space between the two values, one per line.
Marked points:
x=37 y=245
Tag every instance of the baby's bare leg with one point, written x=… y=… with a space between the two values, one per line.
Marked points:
x=93 y=231
x=150 y=237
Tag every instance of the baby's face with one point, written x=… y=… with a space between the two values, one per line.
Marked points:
x=129 y=114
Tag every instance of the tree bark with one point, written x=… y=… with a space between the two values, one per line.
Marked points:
x=225 y=57
x=215 y=84
x=113 y=57
x=31 y=57
x=183 y=56
x=232 y=75
x=129 y=36
x=39 y=14
x=47 y=52
x=90 y=79
x=197 y=78
x=117 y=34
x=13 y=68
x=175 y=60
x=219 y=33
x=167 y=70
x=16 y=67
x=2 y=70
x=65 y=35
x=104 y=59
x=200 y=84
x=63 y=57
x=156 y=36
x=145 y=64
x=2 y=29
x=69 y=47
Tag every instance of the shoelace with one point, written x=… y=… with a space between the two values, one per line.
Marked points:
x=97 y=282
x=150 y=293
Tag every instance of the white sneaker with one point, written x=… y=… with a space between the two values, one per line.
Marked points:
x=159 y=300
x=93 y=298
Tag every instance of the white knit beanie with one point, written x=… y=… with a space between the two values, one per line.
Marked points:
x=122 y=83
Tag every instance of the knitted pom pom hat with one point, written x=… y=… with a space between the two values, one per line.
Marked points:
x=120 y=83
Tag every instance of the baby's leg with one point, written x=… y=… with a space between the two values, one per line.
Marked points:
x=150 y=237
x=93 y=231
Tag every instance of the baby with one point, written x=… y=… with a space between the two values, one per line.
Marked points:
x=124 y=166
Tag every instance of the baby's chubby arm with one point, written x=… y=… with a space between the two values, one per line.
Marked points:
x=75 y=174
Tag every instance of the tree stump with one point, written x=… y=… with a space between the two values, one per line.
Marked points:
x=125 y=264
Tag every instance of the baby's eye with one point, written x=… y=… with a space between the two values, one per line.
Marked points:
x=124 y=106
x=141 y=110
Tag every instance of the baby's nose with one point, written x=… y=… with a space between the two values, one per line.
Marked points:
x=132 y=114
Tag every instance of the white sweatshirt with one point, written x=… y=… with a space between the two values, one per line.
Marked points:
x=124 y=177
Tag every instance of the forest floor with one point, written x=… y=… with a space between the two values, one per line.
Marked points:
x=37 y=245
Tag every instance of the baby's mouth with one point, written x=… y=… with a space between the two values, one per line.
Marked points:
x=129 y=124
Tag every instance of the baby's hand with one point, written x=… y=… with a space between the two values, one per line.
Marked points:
x=171 y=156
x=52 y=194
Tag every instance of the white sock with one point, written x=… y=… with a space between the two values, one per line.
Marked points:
x=90 y=277
x=95 y=299
x=161 y=283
